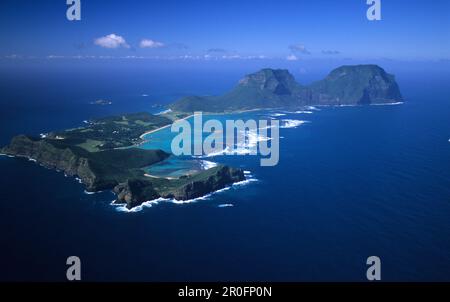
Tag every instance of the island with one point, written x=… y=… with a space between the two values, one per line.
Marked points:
x=277 y=88
x=101 y=102
x=104 y=155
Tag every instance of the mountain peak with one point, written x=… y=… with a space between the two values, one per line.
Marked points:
x=364 y=84
x=267 y=74
x=277 y=81
x=357 y=70
x=277 y=88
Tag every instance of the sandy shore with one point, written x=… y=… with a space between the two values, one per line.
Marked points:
x=204 y=113
x=153 y=176
x=164 y=127
x=153 y=131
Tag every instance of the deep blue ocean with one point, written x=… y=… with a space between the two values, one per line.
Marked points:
x=354 y=182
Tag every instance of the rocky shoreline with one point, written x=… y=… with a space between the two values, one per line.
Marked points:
x=121 y=171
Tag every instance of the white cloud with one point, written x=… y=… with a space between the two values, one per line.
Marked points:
x=217 y=50
x=147 y=43
x=111 y=41
x=331 y=52
x=55 y=57
x=300 y=48
x=292 y=58
x=14 y=56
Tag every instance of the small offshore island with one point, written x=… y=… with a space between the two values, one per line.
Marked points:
x=101 y=102
x=103 y=153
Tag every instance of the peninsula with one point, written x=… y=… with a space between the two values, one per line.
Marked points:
x=102 y=155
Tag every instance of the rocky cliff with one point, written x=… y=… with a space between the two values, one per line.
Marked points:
x=355 y=85
x=121 y=170
x=51 y=157
x=136 y=191
x=275 y=88
x=98 y=171
x=204 y=183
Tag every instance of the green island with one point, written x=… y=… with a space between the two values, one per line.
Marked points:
x=277 y=88
x=103 y=153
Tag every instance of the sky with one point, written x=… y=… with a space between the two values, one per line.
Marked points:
x=226 y=30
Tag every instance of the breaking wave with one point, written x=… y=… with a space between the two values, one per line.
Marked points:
x=205 y=164
x=225 y=205
x=389 y=104
x=249 y=146
x=312 y=108
x=285 y=124
x=92 y=193
x=278 y=114
x=147 y=204
x=164 y=112
x=347 y=105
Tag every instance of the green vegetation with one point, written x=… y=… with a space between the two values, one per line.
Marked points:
x=111 y=132
x=97 y=155
x=362 y=84
x=268 y=88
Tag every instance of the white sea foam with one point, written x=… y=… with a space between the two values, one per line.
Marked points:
x=225 y=205
x=244 y=182
x=278 y=114
x=164 y=112
x=253 y=139
x=389 y=104
x=213 y=154
x=92 y=193
x=147 y=204
x=285 y=124
x=266 y=127
x=33 y=160
x=205 y=164
x=249 y=146
x=205 y=197
x=242 y=148
x=312 y=108
x=346 y=105
x=303 y=112
x=43 y=135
